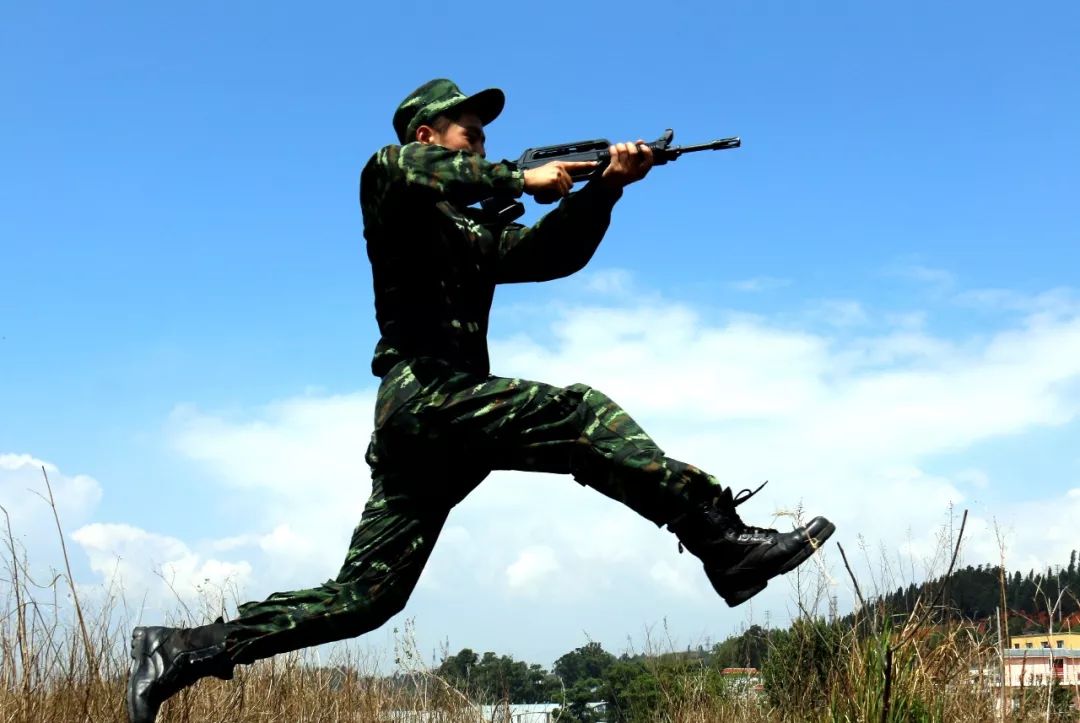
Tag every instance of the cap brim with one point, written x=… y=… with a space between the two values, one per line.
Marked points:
x=487 y=104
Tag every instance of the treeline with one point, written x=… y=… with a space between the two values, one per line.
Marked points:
x=631 y=687
x=634 y=687
x=974 y=593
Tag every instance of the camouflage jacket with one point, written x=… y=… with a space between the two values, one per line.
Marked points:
x=435 y=261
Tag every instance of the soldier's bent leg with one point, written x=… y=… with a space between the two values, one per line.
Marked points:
x=530 y=426
x=615 y=456
x=517 y=424
x=387 y=553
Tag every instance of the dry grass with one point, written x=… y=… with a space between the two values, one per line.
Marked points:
x=62 y=660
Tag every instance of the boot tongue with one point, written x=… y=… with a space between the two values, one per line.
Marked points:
x=725 y=502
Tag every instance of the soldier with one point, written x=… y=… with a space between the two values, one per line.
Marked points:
x=443 y=422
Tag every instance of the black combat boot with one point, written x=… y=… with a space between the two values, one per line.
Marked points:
x=739 y=559
x=167 y=660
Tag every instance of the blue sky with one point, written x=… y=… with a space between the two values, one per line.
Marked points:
x=182 y=252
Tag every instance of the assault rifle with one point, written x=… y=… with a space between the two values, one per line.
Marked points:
x=595 y=150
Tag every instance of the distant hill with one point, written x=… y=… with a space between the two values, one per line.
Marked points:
x=974 y=593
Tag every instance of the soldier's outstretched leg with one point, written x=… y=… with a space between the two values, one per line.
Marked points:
x=614 y=455
x=386 y=555
x=524 y=425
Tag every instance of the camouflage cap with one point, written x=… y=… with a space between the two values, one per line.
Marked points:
x=439 y=96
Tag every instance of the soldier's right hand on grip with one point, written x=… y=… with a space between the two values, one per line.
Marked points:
x=552 y=181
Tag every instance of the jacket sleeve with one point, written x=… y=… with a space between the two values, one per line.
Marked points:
x=561 y=242
x=462 y=177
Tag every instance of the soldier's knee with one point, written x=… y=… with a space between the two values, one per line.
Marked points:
x=591 y=397
x=388 y=604
x=579 y=390
x=358 y=617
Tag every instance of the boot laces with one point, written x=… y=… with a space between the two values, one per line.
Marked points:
x=738 y=499
x=746 y=494
x=721 y=507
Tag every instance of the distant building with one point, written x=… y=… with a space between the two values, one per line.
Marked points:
x=499 y=713
x=1058 y=641
x=519 y=712
x=1042 y=659
x=745 y=680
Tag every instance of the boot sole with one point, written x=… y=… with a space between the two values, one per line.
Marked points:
x=741 y=595
x=137 y=710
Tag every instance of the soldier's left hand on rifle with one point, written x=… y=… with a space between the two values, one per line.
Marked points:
x=630 y=162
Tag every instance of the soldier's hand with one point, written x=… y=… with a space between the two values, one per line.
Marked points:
x=553 y=179
x=630 y=162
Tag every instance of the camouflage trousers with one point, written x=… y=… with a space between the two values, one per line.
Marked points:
x=438 y=434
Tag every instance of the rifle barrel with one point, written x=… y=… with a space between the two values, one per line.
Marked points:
x=718 y=145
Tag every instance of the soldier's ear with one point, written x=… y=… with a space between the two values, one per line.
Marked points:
x=425 y=134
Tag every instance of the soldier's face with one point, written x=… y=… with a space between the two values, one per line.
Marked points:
x=464 y=134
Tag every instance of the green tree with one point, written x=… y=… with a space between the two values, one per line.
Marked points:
x=588 y=662
x=491 y=678
x=747 y=650
x=631 y=691
x=582 y=674
x=458 y=669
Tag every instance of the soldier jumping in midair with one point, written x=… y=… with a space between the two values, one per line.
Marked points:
x=443 y=422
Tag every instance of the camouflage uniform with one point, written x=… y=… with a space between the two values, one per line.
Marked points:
x=442 y=422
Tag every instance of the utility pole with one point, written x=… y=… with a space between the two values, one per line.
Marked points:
x=1001 y=661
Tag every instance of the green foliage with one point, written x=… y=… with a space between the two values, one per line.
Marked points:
x=582 y=673
x=813 y=670
x=631 y=691
x=587 y=663
x=747 y=650
x=654 y=688
x=491 y=678
x=801 y=663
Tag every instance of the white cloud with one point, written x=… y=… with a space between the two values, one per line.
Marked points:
x=758 y=284
x=665 y=359
x=163 y=572
x=681 y=580
x=1055 y=302
x=1041 y=532
x=840 y=312
x=24 y=495
x=296 y=467
x=610 y=282
x=847 y=425
x=844 y=425
x=930 y=276
x=293 y=447
x=534 y=567
x=974 y=478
